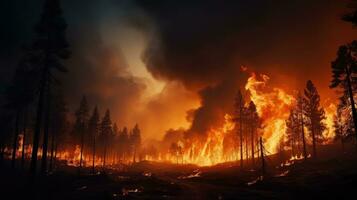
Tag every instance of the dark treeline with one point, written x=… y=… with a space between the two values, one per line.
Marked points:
x=247 y=126
x=35 y=123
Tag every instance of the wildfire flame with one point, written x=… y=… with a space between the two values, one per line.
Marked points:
x=273 y=105
x=220 y=145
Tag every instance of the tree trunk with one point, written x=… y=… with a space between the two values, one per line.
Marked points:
x=105 y=153
x=45 y=133
x=252 y=146
x=258 y=150
x=24 y=139
x=292 y=147
x=52 y=149
x=262 y=155
x=313 y=141
x=38 y=123
x=303 y=135
x=246 y=148
x=350 y=94
x=241 y=135
x=16 y=135
x=82 y=146
x=134 y=154
x=55 y=156
x=93 y=158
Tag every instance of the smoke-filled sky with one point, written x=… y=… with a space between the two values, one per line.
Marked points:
x=170 y=64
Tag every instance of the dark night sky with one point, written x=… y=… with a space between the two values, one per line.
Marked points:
x=193 y=50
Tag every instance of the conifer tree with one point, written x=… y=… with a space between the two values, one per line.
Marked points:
x=239 y=112
x=81 y=124
x=344 y=75
x=105 y=131
x=135 y=138
x=93 y=129
x=315 y=115
x=49 y=48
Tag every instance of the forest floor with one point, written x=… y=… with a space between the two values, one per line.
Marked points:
x=332 y=176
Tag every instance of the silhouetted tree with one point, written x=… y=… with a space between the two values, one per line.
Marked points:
x=114 y=140
x=123 y=143
x=24 y=136
x=82 y=115
x=93 y=128
x=176 y=151
x=135 y=139
x=344 y=70
x=59 y=125
x=105 y=132
x=300 y=107
x=19 y=96
x=50 y=47
x=315 y=114
x=254 y=124
x=292 y=130
x=47 y=120
x=239 y=111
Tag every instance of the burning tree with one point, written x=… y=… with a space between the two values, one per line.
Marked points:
x=105 y=133
x=339 y=126
x=300 y=107
x=93 y=129
x=315 y=115
x=19 y=96
x=81 y=124
x=123 y=144
x=292 y=131
x=344 y=70
x=135 y=138
x=295 y=128
x=59 y=126
x=254 y=122
x=239 y=112
x=176 y=151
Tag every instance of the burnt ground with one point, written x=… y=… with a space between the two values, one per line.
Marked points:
x=332 y=176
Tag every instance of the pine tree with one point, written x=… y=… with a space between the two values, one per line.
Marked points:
x=105 y=131
x=254 y=123
x=300 y=107
x=123 y=142
x=19 y=96
x=81 y=124
x=315 y=115
x=292 y=130
x=344 y=70
x=135 y=139
x=93 y=128
x=239 y=112
x=114 y=143
x=49 y=48
x=59 y=125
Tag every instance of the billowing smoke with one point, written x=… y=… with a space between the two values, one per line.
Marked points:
x=194 y=51
x=203 y=45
